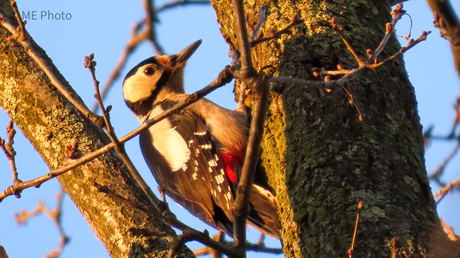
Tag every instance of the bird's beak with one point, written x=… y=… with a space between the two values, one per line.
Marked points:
x=185 y=54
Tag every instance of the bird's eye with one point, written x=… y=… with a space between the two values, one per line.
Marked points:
x=149 y=71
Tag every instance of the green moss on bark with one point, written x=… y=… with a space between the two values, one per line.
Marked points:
x=320 y=158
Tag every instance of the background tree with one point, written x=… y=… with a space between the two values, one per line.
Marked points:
x=341 y=106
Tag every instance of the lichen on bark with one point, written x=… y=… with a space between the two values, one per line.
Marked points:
x=320 y=158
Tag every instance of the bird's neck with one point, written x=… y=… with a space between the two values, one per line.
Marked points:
x=142 y=108
x=170 y=83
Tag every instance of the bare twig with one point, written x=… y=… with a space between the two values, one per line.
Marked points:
x=441 y=168
x=20 y=35
x=260 y=247
x=450 y=231
x=248 y=75
x=397 y=13
x=442 y=193
x=363 y=66
x=179 y=243
x=118 y=146
x=257 y=247
x=276 y=34
x=241 y=206
x=449 y=26
x=410 y=45
x=370 y=63
x=339 y=30
x=55 y=215
x=177 y=3
x=207 y=250
x=446 y=20
x=349 y=74
x=170 y=219
x=9 y=151
x=427 y=134
x=457 y=118
x=350 y=251
x=263 y=10
x=247 y=68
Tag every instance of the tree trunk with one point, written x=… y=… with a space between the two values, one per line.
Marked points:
x=320 y=159
x=50 y=122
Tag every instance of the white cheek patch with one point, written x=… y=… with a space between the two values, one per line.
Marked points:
x=140 y=86
x=169 y=143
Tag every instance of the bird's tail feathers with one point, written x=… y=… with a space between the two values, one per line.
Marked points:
x=263 y=212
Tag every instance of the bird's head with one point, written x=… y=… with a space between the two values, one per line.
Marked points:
x=155 y=79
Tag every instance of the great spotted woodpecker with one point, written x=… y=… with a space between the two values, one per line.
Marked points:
x=196 y=154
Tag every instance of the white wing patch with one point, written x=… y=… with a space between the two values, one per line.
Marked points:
x=169 y=143
x=206 y=146
x=212 y=163
x=195 y=175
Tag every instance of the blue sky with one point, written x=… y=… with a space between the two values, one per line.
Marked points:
x=103 y=28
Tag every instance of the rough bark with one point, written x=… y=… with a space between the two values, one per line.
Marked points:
x=320 y=158
x=50 y=122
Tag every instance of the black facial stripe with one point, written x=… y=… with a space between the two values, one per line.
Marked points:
x=161 y=83
x=150 y=60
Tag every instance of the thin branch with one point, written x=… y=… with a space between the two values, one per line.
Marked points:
x=348 y=74
x=350 y=251
x=450 y=231
x=223 y=78
x=276 y=34
x=119 y=147
x=339 y=30
x=352 y=101
x=442 y=193
x=427 y=135
x=20 y=35
x=397 y=13
x=240 y=208
x=441 y=168
x=247 y=68
x=258 y=247
x=446 y=20
x=150 y=32
x=248 y=75
x=457 y=118
x=263 y=10
x=10 y=153
x=55 y=215
x=177 y=3
x=261 y=248
x=220 y=237
x=170 y=219
x=179 y=243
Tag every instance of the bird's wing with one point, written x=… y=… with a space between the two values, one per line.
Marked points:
x=186 y=164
